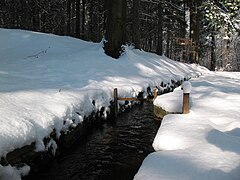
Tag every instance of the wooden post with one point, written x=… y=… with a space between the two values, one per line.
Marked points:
x=185 y=107
x=155 y=93
x=186 y=87
x=115 y=102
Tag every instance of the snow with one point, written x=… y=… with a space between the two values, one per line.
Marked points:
x=50 y=82
x=172 y=103
x=13 y=173
x=186 y=87
x=204 y=144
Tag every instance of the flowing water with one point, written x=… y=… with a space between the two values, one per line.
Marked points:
x=112 y=151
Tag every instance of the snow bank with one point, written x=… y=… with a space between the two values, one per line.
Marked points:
x=204 y=144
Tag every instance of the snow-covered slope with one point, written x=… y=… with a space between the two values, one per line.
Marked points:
x=45 y=79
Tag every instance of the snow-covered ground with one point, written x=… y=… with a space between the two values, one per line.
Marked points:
x=204 y=144
x=46 y=80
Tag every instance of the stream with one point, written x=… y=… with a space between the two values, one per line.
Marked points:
x=112 y=151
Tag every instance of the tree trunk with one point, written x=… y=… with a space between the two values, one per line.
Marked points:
x=168 y=44
x=83 y=19
x=136 y=24
x=68 y=17
x=194 y=31
x=160 y=30
x=91 y=24
x=115 y=30
x=77 y=18
x=35 y=17
x=213 y=58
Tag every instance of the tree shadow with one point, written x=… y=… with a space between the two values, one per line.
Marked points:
x=225 y=141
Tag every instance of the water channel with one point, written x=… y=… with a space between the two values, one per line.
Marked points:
x=112 y=151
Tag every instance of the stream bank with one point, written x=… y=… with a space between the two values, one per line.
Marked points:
x=79 y=135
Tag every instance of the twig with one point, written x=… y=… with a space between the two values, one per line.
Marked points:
x=39 y=53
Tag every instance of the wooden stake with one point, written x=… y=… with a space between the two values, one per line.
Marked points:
x=115 y=103
x=155 y=93
x=185 y=107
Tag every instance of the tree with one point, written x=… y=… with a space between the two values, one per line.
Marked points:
x=158 y=26
x=160 y=29
x=77 y=18
x=136 y=24
x=194 y=30
x=115 y=30
x=213 y=56
x=68 y=17
x=83 y=19
x=219 y=26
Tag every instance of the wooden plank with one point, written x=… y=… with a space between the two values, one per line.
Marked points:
x=131 y=99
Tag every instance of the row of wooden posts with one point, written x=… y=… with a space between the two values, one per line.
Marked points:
x=185 y=107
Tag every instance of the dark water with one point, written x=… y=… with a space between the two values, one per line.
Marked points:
x=113 y=151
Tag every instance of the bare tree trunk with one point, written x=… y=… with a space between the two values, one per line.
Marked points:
x=194 y=31
x=35 y=16
x=213 y=58
x=91 y=16
x=136 y=24
x=77 y=18
x=115 y=30
x=68 y=17
x=160 y=30
x=168 y=44
x=83 y=19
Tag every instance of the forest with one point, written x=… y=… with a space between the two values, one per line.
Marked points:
x=194 y=31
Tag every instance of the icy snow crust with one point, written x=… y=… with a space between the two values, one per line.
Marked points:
x=46 y=80
x=204 y=144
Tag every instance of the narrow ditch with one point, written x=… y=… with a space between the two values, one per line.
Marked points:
x=112 y=150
